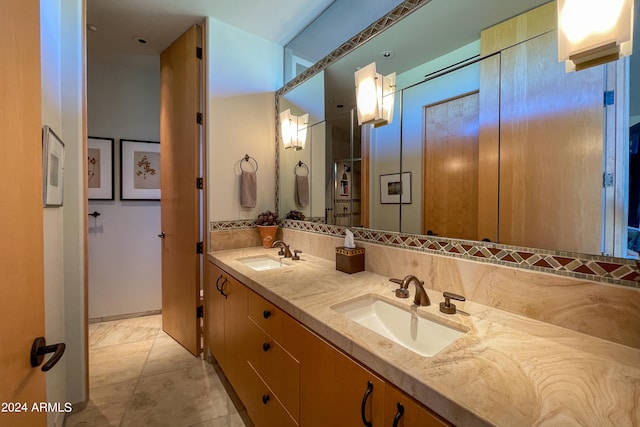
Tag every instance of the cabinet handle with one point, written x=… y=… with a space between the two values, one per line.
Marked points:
x=364 y=404
x=224 y=282
x=266 y=346
x=399 y=415
x=266 y=314
x=218 y=283
x=265 y=398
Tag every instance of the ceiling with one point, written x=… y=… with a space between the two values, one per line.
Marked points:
x=119 y=23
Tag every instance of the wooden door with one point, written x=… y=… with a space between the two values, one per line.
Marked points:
x=180 y=205
x=451 y=168
x=551 y=150
x=21 y=251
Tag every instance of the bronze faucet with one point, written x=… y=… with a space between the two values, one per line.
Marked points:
x=421 y=297
x=284 y=248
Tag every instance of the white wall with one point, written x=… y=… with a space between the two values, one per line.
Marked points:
x=62 y=62
x=123 y=101
x=244 y=71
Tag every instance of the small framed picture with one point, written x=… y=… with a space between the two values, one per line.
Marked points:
x=393 y=189
x=53 y=167
x=139 y=170
x=100 y=168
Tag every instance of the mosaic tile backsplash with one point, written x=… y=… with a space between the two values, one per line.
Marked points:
x=591 y=267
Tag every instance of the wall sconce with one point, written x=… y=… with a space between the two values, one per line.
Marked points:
x=593 y=32
x=374 y=96
x=293 y=130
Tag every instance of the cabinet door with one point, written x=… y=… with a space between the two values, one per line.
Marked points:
x=400 y=410
x=236 y=329
x=214 y=313
x=334 y=389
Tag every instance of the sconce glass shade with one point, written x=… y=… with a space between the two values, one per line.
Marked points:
x=293 y=130
x=593 y=32
x=374 y=96
x=288 y=123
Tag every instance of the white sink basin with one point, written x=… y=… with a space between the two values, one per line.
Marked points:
x=406 y=328
x=262 y=262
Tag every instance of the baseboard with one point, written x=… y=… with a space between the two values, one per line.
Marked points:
x=124 y=316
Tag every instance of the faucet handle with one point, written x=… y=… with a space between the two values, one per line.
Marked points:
x=400 y=292
x=295 y=256
x=446 y=306
x=281 y=251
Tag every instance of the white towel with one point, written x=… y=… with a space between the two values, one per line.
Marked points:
x=248 y=186
x=302 y=190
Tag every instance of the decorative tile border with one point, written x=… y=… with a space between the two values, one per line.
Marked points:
x=590 y=267
x=231 y=225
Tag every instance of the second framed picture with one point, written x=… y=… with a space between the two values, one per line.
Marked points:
x=100 y=168
x=139 y=170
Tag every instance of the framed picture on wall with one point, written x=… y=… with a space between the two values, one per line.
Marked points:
x=100 y=168
x=52 y=167
x=139 y=170
x=393 y=189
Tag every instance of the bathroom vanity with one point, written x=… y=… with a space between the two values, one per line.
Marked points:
x=295 y=358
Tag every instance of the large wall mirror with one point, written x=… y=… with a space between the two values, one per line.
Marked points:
x=495 y=145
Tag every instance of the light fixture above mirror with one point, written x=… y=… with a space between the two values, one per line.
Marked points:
x=594 y=32
x=293 y=130
x=374 y=96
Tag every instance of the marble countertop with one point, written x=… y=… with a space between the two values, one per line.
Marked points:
x=507 y=370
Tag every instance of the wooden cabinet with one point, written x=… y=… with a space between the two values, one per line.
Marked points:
x=400 y=410
x=214 y=303
x=272 y=336
x=287 y=375
x=334 y=389
x=226 y=322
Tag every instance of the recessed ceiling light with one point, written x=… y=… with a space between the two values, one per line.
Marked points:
x=387 y=54
x=140 y=39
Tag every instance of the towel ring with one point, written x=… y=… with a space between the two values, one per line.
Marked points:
x=246 y=158
x=300 y=164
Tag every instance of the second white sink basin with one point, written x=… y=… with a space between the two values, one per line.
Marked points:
x=404 y=327
x=262 y=262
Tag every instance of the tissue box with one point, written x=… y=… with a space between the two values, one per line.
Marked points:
x=349 y=260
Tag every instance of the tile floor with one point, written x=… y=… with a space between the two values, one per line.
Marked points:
x=138 y=375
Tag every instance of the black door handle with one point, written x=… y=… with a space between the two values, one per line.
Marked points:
x=40 y=348
x=399 y=414
x=218 y=283
x=364 y=404
x=161 y=235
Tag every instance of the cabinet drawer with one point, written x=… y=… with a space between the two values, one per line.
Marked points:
x=262 y=404
x=278 y=369
x=282 y=327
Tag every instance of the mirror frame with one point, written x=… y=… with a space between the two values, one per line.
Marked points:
x=613 y=270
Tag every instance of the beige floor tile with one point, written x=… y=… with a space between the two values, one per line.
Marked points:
x=117 y=363
x=178 y=398
x=167 y=355
x=139 y=375
x=91 y=416
x=124 y=331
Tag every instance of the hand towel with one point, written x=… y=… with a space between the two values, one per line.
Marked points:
x=248 y=189
x=302 y=190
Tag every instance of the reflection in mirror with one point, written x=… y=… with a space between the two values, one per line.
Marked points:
x=302 y=170
x=550 y=189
